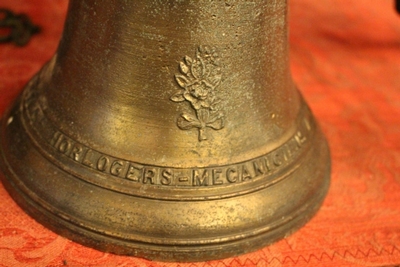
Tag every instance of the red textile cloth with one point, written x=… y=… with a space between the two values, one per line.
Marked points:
x=345 y=59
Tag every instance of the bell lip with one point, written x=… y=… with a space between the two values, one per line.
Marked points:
x=199 y=251
x=166 y=253
x=171 y=253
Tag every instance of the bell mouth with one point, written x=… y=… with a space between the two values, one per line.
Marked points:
x=220 y=212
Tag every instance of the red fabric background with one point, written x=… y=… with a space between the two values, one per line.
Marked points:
x=345 y=58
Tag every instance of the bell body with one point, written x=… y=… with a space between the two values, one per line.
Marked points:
x=169 y=130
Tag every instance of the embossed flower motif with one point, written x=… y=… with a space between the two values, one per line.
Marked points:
x=210 y=54
x=198 y=81
x=199 y=94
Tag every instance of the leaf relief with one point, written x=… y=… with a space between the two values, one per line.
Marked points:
x=199 y=78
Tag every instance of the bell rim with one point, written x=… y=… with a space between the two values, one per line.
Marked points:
x=168 y=252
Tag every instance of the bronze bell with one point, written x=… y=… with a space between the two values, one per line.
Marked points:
x=169 y=130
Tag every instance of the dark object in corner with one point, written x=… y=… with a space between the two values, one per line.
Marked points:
x=398 y=6
x=17 y=29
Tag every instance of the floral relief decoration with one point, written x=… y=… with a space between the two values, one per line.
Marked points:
x=198 y=80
